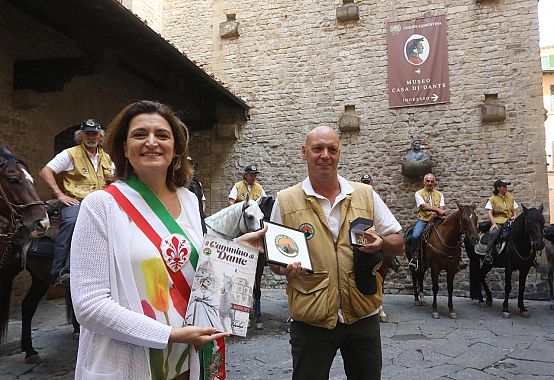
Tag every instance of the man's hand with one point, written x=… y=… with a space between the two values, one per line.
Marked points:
x=374 y=242
x=195 y=335
x=291 y=271
x=66 y=200
x=253 y=239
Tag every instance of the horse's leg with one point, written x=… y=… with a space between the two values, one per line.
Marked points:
x=415 y=284
x=450 y=273
x=507 y=290
x=28 y=308
x=383 y=271
x=523 y=272
x=70 y=313
x=435 y=279
x=7 y=274
x=550 y=283
x=485 y=269
x=474 y=270
x=258 y=291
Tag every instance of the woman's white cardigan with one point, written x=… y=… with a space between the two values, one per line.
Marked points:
x=115 y=334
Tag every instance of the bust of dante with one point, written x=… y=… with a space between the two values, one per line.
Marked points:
x=415 y=154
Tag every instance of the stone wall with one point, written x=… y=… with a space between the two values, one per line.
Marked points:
x=297 y=67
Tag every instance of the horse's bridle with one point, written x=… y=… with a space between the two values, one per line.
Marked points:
x=441 y=239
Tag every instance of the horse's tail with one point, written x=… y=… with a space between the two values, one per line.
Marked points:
x=68 y=306
x=6 y=281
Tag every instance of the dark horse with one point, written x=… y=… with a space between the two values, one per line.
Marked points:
x=524 y=240
x=442 y=250
x=266 y=205
x=23 y=215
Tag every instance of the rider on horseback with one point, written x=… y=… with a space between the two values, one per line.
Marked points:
x=84 y=168
x=500 y=207
x=430 y=204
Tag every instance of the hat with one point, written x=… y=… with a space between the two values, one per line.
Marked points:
x=365 y=178
x=251 y=169
x=90 y=125
x=501 y=182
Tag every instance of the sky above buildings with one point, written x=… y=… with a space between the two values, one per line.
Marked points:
x=546 y=22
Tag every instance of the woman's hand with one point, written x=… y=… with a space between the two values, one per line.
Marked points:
x=253 y=239
x=195 y=335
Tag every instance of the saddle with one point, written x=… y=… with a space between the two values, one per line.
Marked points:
x=424 y=236
x=481 y=247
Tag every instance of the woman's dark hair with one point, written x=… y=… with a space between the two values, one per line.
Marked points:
x=179 y=173
x=495 y=191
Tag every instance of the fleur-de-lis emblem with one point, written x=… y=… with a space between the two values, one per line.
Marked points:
x=176 y=250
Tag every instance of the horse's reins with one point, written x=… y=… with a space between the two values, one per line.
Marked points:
x=435 y=249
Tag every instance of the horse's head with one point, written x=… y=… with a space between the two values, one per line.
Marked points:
x=19 y=202
x=469 y=222
x=251 y=216
x=534 y=226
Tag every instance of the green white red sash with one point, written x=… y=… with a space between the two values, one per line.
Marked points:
x=177 y=251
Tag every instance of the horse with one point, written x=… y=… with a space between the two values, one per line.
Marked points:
x=524 y=240
x=442 y=250
x=389 y=262
x=24 y=216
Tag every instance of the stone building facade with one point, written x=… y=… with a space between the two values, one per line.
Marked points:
x=297 y=67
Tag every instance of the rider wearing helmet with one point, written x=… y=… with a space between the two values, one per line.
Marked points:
x=500 y=207
x=248 y=185
x=430 y=204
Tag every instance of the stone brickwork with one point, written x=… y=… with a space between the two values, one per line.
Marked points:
x=149 y=11
x=297 y=67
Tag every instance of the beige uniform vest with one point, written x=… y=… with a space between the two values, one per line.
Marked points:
x=502 y=208
x=242 y=190
x=315 y=298
x=83 y=179
x=435 y=196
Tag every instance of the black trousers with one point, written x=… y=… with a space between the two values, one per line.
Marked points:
x=314 y=348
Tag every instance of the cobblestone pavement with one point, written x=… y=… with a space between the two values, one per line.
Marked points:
x=480 y=344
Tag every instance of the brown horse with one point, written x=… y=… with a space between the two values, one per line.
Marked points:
x=23 y=215
x=442 y=250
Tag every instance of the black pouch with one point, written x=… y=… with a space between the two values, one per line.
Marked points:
x=504 y=232
x=365 y=270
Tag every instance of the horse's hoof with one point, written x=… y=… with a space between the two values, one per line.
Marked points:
x=524 y=313
x=436 y=315
x=75 y=336
x=32 y=359
x=482 y=305
x=506 y=314
x=552 y=306
x=453 y=315
x=259 y=326
x=476 y=302
x=383 y=319
x=418 y=303
x=489 y=303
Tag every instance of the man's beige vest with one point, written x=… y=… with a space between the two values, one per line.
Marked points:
x=435 y=196
x=315 y=298
x=242 y=190
x=502 y=208
x=83 y=179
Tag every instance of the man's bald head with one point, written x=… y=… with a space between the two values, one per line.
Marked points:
x=321 y=130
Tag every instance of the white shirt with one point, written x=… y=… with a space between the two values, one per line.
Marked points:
x=63 y=162
x=385 y=223
x=419 y=200
x=234 y=192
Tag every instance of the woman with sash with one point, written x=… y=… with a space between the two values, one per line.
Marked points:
x=134 y=255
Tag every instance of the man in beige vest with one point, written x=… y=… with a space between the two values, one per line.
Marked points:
x=248 y=185
x=430 y=204
x=82 y=169
x=328 y=310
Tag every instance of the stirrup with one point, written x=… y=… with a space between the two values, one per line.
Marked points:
x=488 y=259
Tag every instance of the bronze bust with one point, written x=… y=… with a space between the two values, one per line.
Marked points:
x=417 y=162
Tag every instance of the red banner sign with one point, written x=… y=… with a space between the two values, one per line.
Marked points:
x=418 y=62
